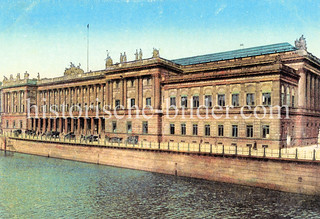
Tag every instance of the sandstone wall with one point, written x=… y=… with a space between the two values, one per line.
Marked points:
x=284 y=175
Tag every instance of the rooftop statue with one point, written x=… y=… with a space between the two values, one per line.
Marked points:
x=18 y=76
x=136 y=55
x=11 y=77
x=121 y=58
x=301 y=43
x=5 y=78
x=72 y=65
x=124 y=57
x=109 y=61
x=155 y=53
x=26 y=75
x=140 y=54
x=72 y=70
x=38 y=76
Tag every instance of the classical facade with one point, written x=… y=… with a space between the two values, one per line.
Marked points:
x=264 y=96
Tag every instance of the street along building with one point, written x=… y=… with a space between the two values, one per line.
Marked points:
x=266 y=96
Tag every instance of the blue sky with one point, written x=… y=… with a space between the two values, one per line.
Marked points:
x=44 y=36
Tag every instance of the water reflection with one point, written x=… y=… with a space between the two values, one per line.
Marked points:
x=33 y=186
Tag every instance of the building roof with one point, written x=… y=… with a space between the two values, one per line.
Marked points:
x=239 y=53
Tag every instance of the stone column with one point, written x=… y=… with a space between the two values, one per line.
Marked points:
x=99 y=126
x=60 y=124
x=124 y=93
x=85 y=125
x=72 y=125
x=19 y=101
x=318 y=90
x=12 y=102
x=111 y=102
x=92 y=126
x=3 y=102
x=79 y=130
x=157 y=97
x=317 y=93
x=39 y=125
x=312 y=92
x=49 y=124
x=201 y=98
x=43 y=124
x=55 y=124
x=302 y=89
x=140 y=93
x=65 y=125
x=34 y=125
x=106 y=93
x=308 y=91
x=153 y=92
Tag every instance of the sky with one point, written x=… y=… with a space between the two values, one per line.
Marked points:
x=45 y=36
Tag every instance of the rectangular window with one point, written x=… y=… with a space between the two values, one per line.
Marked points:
x=145 y=127
x=220 y=130
x=208 y=100
x=114 y=126
x=184 y=101
x=117 y=103
x=148 y=101
x=132 y=102
x=207 y=130
x=195 y=129
x=172 y=101
x=221 y=100
x=183 y=129
x=265 y=131
x=21 y=124
x=234 y=131
x=172 y=129
x=235 y=99
x=266 y=99
x=250 y=99
x=7 y=125
x=249 y=131
x=14 y=124
x=195 y=101
x=129 y=127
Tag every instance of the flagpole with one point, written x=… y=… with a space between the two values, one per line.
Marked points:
x=88 y=48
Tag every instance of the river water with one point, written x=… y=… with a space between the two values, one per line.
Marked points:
x=40 y=187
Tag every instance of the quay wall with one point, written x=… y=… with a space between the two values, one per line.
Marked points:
x=277 y=174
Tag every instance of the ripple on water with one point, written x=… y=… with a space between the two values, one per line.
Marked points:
x=38 y=187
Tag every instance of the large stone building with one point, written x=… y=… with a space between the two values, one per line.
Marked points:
x=259 y=97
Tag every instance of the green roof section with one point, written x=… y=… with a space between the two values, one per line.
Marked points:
x=20 y=83
x=240 y=53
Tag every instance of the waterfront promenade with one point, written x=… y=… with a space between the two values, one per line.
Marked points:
x=308 y=153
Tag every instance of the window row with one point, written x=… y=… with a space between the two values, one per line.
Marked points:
x=221 y=100
x=92 y=107
x=14 y=125
x=145 y=128
x=220 y=130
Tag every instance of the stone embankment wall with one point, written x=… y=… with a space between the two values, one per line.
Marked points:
x=277 y=174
